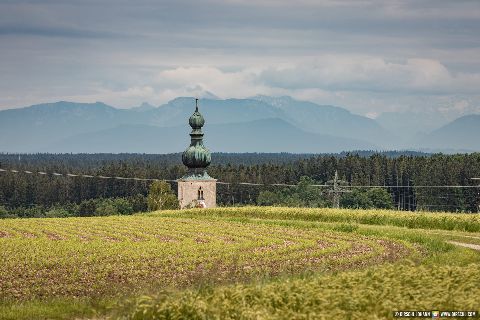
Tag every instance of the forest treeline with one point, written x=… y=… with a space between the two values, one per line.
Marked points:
x=404 y=176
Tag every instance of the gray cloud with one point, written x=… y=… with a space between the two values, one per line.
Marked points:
x=350 y=73
x=364 y=55
x=46 y=31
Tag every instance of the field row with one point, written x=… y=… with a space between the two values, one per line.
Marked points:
x=90 y=257
x=413 y=220
x=372 y=294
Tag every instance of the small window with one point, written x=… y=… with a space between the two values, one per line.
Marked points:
x=200 y=194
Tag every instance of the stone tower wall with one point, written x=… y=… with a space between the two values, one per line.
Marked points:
x=188 y=192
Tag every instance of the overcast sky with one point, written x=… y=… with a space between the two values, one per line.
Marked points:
x=367 y=56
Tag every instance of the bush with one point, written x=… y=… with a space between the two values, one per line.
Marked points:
x=139 y=203
x=113 y=206
x=367 y=199
x=87 y=208
x=267 y=198
x=303 y=195
x=4 y=213
x=57 y=213
x=123 y=206
x=380 y=198
x=357 y=199
x=105 y=207
x=31 y=212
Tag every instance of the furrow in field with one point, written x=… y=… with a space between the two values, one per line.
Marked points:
x=104 y=256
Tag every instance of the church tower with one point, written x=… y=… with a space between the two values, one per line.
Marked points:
x=197 y=188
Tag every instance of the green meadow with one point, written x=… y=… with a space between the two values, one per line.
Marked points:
x=239 y=263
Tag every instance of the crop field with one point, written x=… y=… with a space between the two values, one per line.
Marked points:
x=239 y=263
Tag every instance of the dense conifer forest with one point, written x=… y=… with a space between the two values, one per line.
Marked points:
x=414 y=181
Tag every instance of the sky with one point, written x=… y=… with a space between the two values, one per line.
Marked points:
x=367 y=56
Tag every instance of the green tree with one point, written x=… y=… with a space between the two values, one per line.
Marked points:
x=87 y=208
x=303 y=195
x=309 y=196
x=292 y=200
x=3 y=212
x=57 y=213
x=357 y=199
x=138 y=202
x=267 y=198
x=105 y=207
x=161 y=197
x=122 y=206
x=380 y=198
x=367 y=199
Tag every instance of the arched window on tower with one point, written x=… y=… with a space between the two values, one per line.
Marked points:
x=200 y=194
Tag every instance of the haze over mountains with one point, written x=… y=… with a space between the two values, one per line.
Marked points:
x=257 y=124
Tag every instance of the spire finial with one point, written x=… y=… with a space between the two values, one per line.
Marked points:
x=196 y=104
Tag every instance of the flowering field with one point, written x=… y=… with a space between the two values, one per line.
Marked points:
x=120 y=265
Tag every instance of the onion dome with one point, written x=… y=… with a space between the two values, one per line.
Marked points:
x=196 y=121
x=197 y=156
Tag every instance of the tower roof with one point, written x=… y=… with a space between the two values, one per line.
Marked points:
x=197 y=157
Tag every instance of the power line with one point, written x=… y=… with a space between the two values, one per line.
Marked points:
x=401 y=199
x=72 y=175
x=236 y=183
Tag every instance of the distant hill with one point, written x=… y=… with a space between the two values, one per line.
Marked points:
x=35 y=127
x=31 y=128
x=461 y=134
x=177 y=111
x=266 y=135
x=145 y=106
x=407 y=125
x=264 y=120
x=331 y=120
x=40 y=127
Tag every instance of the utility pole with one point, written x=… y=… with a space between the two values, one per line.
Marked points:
x=478 y=194
x=399 y=196
x=337 y=189
x=408 y=197
x=336 y=194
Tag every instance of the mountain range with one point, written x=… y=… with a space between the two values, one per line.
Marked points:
x=257 y=124
x=460 y=134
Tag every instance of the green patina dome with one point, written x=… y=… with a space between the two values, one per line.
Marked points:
x=196 y=156
x=196 y=121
